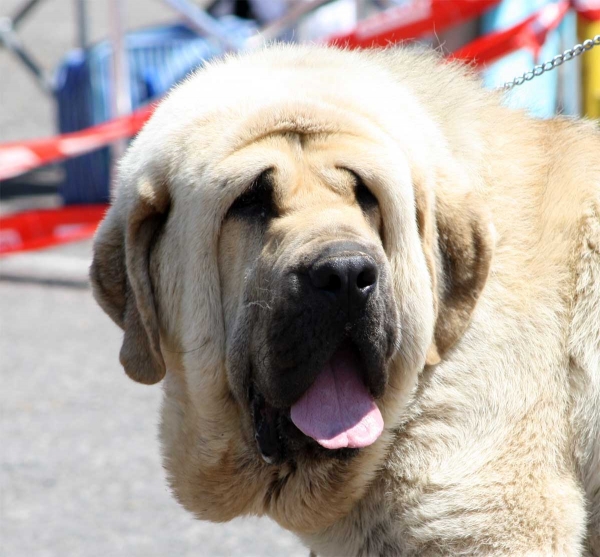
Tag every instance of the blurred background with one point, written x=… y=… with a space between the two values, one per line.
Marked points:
x=80 y=472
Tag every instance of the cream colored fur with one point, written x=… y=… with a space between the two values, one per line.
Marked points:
x=495 y=450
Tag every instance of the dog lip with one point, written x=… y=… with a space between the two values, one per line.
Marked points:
x=278 y=453
x=266 y=436
x=273 y=426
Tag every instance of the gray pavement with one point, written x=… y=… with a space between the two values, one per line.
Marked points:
x=80 y=473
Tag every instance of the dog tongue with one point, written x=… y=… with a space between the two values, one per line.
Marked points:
x=338 y=411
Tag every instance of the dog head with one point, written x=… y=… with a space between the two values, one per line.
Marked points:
x=292 y=241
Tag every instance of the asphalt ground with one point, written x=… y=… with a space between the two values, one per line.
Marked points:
x=80 y=471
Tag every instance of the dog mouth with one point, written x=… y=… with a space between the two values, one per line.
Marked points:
x=335 y=417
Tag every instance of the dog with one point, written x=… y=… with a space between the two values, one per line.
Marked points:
x=372 y=293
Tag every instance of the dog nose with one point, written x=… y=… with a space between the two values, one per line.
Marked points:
x=350 y=279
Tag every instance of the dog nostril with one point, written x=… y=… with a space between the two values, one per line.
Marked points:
x=350 y=279
x=366 y=278
x=333 y=283
x=328 y=277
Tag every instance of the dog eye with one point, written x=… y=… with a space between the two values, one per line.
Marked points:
x=363 y=194
x=257 y=201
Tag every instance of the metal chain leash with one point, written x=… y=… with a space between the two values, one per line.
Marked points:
x=554 y=63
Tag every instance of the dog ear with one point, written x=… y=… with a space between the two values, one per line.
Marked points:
x=120 y=276
x=458 y=244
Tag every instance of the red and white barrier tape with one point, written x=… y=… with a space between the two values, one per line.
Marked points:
x=411 y=20
x=530 y=34
x=19 y=157
x=49 y=227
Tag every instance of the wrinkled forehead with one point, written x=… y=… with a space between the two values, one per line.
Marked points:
x=305 y=163
x=314 y=170
x=305 y=142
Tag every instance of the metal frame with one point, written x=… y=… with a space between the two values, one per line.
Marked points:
x=10 y=39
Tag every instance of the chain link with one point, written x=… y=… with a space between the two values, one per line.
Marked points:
x=559 y=59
